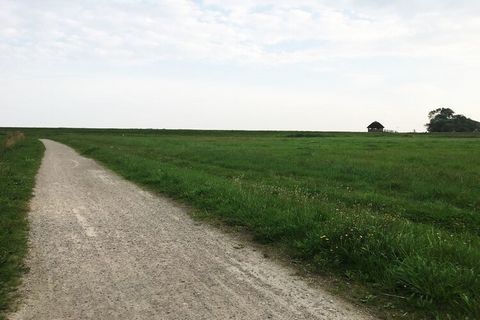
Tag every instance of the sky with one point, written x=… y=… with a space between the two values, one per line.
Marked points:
x=326 y=65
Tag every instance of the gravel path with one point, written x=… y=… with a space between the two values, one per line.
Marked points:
x=102 y=248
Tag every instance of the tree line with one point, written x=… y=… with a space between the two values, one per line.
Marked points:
x=445 y=120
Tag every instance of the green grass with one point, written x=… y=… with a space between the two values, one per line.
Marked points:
x=18 y=166
x=398 y=214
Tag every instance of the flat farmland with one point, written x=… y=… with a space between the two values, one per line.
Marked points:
x=396 y=214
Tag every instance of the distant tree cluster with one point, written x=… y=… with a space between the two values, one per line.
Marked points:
x=445 y=120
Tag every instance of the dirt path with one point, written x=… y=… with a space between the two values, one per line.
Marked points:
x=102 y=248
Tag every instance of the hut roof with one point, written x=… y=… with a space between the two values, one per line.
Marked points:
x=375 y=125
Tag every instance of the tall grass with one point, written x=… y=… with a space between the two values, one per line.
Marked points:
x=19 y=160
x=399 y=214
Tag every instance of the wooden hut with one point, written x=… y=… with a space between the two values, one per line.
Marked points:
x=375 y=126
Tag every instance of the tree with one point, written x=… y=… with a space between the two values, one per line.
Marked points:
x=445 y=120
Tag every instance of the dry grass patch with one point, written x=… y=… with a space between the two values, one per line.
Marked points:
x=12 y=139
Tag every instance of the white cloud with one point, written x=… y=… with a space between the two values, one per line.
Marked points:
x=234 y=31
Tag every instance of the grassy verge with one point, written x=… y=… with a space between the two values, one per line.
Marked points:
x=398 y=214
x=19 y=161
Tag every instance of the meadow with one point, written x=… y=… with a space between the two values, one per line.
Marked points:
x=398 y=214
x=20 y=158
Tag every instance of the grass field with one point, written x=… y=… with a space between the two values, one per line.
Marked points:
x=397 y=213
x=18 y=166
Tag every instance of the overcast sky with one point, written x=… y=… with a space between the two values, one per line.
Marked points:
x=237 y=64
